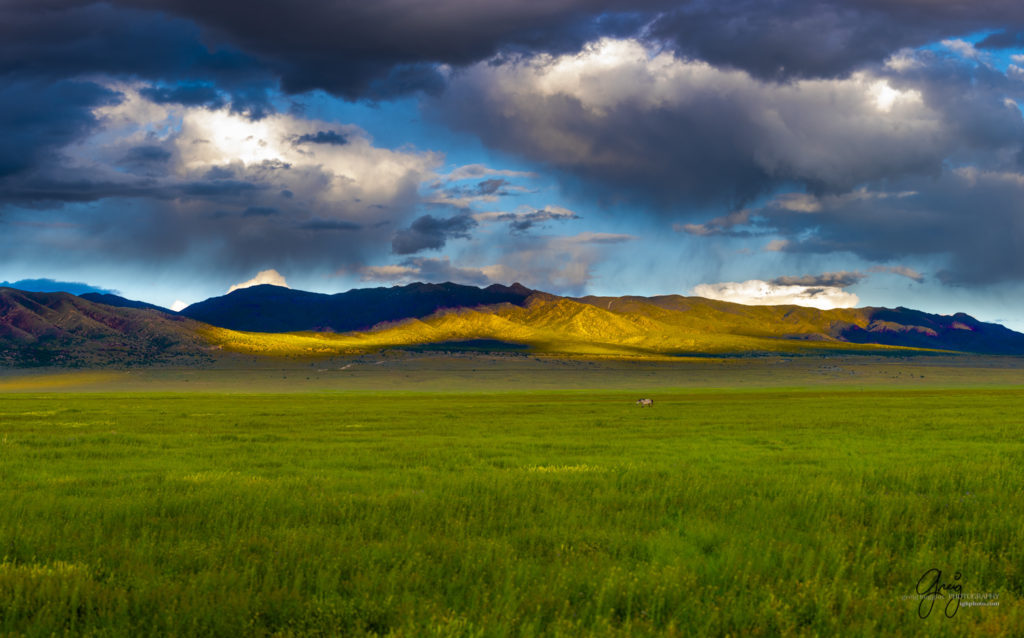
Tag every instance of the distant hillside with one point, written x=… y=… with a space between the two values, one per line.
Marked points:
x=269 y=308
x=884 y=326
x=121 y=302
x=38 y=328
x=961 y=332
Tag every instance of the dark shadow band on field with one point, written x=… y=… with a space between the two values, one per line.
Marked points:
x=486 y=346
x=902 y=353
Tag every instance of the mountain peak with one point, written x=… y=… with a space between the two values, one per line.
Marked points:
x=267 y=308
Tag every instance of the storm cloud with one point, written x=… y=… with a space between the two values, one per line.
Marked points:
x=779 y=39
x=38 y=117
x=841 y=279
x=970 y=217
x=389 y=47
x=429 y=232
x=655 y=129
x=522 y=221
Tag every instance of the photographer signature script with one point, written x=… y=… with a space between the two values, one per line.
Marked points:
x=930 y=587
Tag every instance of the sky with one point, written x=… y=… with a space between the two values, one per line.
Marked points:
x=836 y=153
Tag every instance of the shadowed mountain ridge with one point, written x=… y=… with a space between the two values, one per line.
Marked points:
x=121 y=302
x=267 y=308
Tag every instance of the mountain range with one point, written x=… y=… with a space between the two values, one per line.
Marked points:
x=267 y=308
x=103 y=329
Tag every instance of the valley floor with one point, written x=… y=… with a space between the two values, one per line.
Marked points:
x=514 y=497
x=473 y=372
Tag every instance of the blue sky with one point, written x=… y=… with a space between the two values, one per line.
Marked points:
x=832 y=155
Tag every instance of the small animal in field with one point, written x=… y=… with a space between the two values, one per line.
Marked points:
x=645 y=403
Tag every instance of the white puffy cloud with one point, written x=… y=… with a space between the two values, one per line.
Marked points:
x=270 y=276
x=323 y=164
x=216 y=190
x=961 y=47
x=755 y=292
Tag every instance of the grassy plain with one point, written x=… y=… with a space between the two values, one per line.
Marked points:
x=802 y=500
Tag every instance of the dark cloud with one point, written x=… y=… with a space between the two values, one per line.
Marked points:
x=388 y=47
x=429 y=232
x=66 y=38
x=260 y=211
x=46 y=191
x=967 y=218
x=51 y=285
x=491 y=186
x=777 y=39
x=146 y=155
x=329 y=224
x=1002 y=40
x=71 y=38
x=462 y=196
x=903 y=271
x=841 y=279
x=524 y=221
x=219 y=172
x=219 y=189
x=724 y=225
x=149 y=160
x=189 y=94
x=323 y=137
x=38 y=117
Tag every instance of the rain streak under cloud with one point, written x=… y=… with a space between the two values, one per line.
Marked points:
x=170 y=149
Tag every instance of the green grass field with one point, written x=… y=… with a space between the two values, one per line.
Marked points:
x=742 y=512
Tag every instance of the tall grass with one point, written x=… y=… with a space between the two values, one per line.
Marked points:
x=572 y=513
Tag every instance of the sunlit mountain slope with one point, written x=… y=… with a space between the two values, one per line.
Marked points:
x=635 y=326
x=61 y=329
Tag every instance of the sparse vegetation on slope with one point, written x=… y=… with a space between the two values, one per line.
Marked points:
x=552 y=325
x=60 y=329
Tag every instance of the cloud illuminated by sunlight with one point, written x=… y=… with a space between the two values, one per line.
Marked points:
x=271 y=277
x=755 y=292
